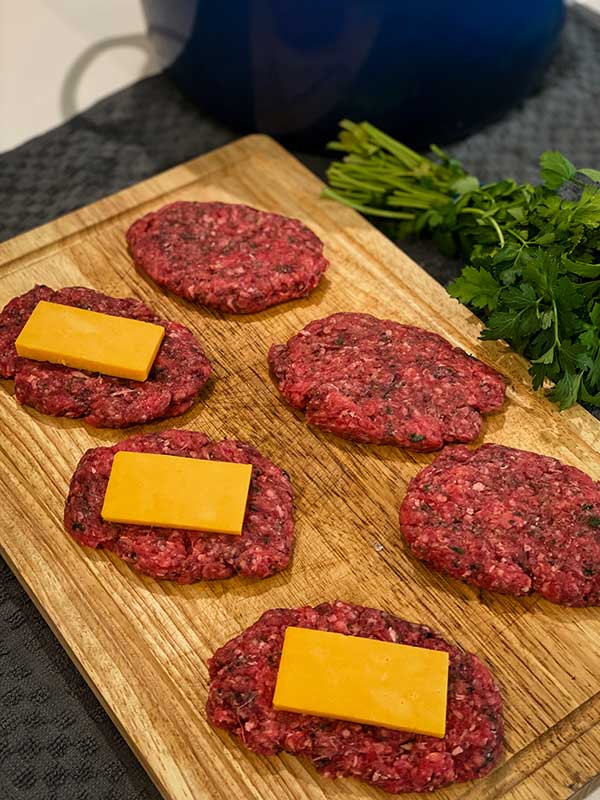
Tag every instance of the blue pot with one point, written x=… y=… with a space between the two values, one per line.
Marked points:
x=423 y=70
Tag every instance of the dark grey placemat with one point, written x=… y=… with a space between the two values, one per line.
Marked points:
x=56 y=742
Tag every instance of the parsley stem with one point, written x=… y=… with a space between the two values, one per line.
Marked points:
x=516 y=235
x=531 y=251
x=486 y=214
x=395 y=147
x=376 y=212
x=498 y=231
x=556 y=336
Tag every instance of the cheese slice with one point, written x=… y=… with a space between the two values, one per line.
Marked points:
x=76 y=337
x=175 y=492
x=363 y=680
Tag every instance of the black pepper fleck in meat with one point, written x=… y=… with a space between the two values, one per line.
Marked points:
x=176 y=378
x=263 y=548
x=230 y=257
x=517 y=518
x=388 y=384
x=242 y=680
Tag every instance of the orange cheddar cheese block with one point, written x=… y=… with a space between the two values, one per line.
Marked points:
x=76 y=337
x=363 y=680
x=177 y=492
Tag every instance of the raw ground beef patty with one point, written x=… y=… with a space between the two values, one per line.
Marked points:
x=374 y=380
x=230 y=257
x=263 y=548
x=179 y=372
x=243 y=675
x=508 y=520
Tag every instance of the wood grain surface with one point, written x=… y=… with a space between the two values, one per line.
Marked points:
x=143 y=645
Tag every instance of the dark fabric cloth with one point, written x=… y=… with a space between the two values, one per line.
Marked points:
x=56 y=742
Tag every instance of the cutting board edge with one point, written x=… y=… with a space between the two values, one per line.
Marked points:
x=100 y=211
x=266 y=145
x=81 y=669
x=39 y=241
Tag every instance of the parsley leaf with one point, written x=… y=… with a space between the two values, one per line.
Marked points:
x=555 y=169
x=531 y=253
x=476 y=287
x=566 y=390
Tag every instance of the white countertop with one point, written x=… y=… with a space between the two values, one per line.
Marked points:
x=58 y=57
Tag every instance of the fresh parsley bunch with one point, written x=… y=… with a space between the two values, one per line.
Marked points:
x=532 y=252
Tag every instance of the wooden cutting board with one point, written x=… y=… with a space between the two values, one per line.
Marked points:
x=143 y=645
